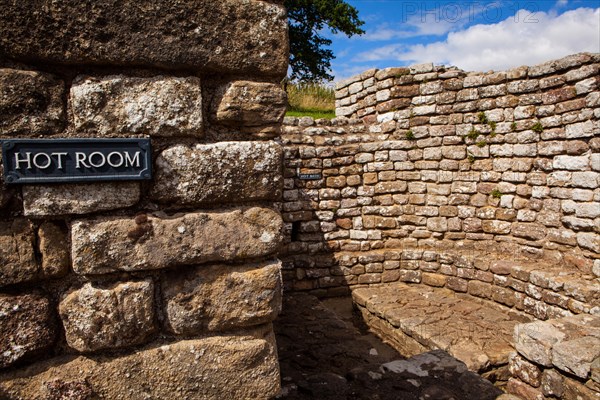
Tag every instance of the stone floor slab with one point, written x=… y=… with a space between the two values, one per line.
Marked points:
x=414 y=317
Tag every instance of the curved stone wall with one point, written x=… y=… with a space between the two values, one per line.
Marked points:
x=482 y=183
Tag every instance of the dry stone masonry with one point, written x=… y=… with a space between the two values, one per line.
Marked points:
x=479 y=190
x=156 y=290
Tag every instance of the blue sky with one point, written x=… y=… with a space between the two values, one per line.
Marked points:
x=477 y=35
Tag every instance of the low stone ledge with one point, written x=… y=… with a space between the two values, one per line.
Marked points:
x=221 y=172
x=226 y=36
x=417 y=317
x=148 y=242
x=81 y=198
x=30 y=103
x=569 y=344
x=27 y=327
x=120 y=105
x=241 y=366
x=97 y=318
x=221 y=297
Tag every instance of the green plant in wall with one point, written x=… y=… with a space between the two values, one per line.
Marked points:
x=513 y=126
x=482 y=118
x=410 y=135
x=481 y=143
x=471 y=157
x=537 y=127
x=492 y=125
x=472 y=134
x=496 y=194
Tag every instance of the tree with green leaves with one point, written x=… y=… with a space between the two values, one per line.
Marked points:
x=310 y=59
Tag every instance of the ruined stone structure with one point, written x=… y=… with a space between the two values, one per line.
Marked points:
x=461 y=211
x=156 y=290
x=455 y=206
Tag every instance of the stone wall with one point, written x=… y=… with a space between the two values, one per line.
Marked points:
x=161 y=289
x=486 y=183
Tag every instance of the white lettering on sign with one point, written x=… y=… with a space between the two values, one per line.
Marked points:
x=39 y=160
x=114 y=159
x=96 y=159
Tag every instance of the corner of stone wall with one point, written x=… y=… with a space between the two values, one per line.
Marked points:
x=156 y=289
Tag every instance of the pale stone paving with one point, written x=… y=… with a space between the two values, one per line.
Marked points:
x=478 y=334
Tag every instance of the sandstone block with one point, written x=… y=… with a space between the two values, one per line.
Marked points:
x=78 y=198
x=457 y=284
x=552 y=383
x=435 y=280
x=535 y=341
x=115 y=316
x=480 y=289
x=496 y=227
x=147 y=242
x=576 y=356
x=185 y=34
x=54 y=248
x=529 y=230
x=243 y=366
x=589 y=241
x=26 y=327
x=523 y=390
x=120 y=105
x=524 y=370
x=221 y=172
x=30 y=103
x=572 y=163
x=220 y=297
x=17 y=254
x=245 y=103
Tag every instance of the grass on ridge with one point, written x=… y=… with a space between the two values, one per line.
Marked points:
x=316 y=114
x=310 y=100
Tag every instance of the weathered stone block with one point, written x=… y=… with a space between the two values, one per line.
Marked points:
x=221 y=367
x=30 y=103
x=552 y=383
x=523 y=390
x=79 y=198
x=149 y=242
x=115 y=316
x=535 y=340
x=576 y=390
x=496 y=227
x=119 y=105
x=221 y=172
x=589 y=241
x=54 y=248
x=576 y=356
x=530 y=231
x=220 y=297
x=17 y=254
x=524 y=370
x=243 y=103
x=166 y=34
x=26 y=327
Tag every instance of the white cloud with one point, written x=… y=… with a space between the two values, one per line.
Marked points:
x=524 y=39
x=435 y=19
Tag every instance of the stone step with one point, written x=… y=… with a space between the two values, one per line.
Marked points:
x=418 y=318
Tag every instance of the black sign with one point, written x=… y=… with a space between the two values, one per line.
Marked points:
x=76 y=160
x=309 y=177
